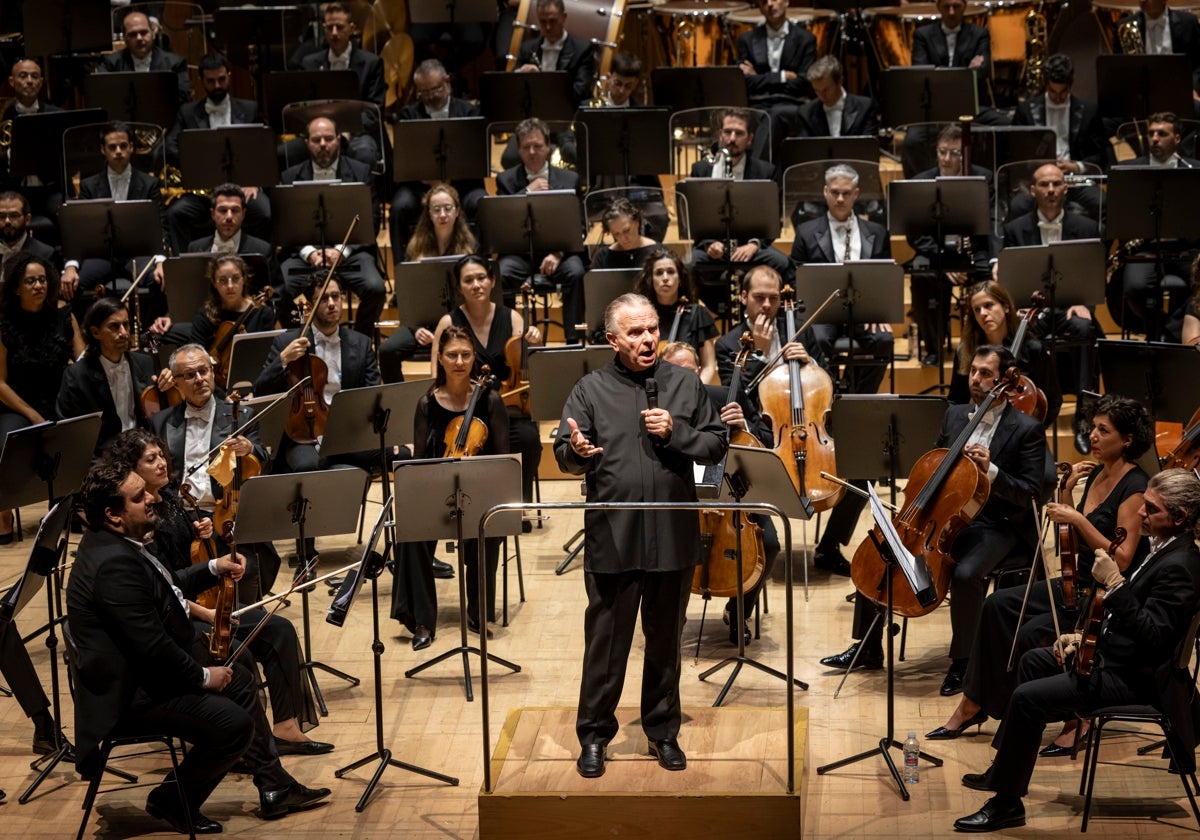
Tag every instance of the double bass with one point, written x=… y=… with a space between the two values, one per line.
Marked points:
x=681 y=308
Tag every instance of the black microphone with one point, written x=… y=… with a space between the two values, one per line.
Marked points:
x=651 y=393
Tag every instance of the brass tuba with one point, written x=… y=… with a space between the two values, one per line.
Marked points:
x=1036 y=52
x=1129 y=34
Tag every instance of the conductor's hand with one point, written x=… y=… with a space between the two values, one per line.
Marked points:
x=1065 y=645
x=234 y=566
x=579 y=443
x=658 y=422
x=219 y=677
x=240 y=445
x=294 y=351
x=1105 y=570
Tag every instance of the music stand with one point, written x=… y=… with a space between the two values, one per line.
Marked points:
x=992 y=146
x=423 y=292
x=926 y=94
x=239 y=154
x=1135 y=86
x=728 y=210
x=110 y=230
x=444 y=150
x=135 y=97
x=444 y=498
x=247 y=357
x=685 y=88
x=627 y=141
x=601 y=286
x=757 y=476
x=271 y=417
x=186 y=283
x=320 y=212
x=888 y=419
x=935 y=208
x=66 y=27
x=1162 y=377
x=46 y=461
x=298 y=506
x=37 y=142
x=796 y=150
x=512 y=97
x=253 y=35
x=533 y=223
x=287 y=86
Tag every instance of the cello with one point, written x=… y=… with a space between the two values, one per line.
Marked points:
x=244 y=467
x=945 y=491
x=797 y=397
x=515 y=390
x=1068 y=551
x=1092 y=621
x=1185 y=454
x=673 y=334
x=466 y=435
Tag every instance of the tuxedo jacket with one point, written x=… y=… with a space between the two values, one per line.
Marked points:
x=193 y=115
x=458 y=108
x=1018 y=449
x=576 y=57
x=171 y=425
x=929 y=47
x=10 y=113
x=513 y=181
x=814 y=242
x=250 y=246
x=367 y=66
x=84 y=389
x=1085 y=132
x=859 y=118
x=160 y=59
x=141 y=187
x=799 y=52
x=360 y=369
x=756 y=169
x=1023 y=230
x=1185 y=36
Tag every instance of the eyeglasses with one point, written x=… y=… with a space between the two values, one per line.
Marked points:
x=949 y=153
x=37 y=280
x=194 y=374
x=442 y=209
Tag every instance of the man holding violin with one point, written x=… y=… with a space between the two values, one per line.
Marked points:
x=1145 y=620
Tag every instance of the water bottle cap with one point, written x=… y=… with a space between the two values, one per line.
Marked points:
x=912 y=734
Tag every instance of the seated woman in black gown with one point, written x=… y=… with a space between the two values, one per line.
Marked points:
x=229 y=300
x=664 y=281
x=414 y=598
x=630 y=246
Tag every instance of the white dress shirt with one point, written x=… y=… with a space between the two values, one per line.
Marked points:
x=120 y=385
x=951 y=41
x=775 y=42
x=739 y=169
x=1158 y=35
x=1058 y=118
x=544 y=172
x=340 y=62
x=197 y=441
x=833 y=115
x=220 y=114
x=551 y=52
x=329 y=351
x=142 y=65
x=1050 y=229
x=119 y=183
x=985 y=431
x=227 y=246
x=847 y=244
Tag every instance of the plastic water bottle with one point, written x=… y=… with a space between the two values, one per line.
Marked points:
x=912 y=751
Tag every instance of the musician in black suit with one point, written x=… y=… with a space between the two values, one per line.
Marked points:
x=15 y=235
x=142 y=55
x=359 y=269
x=555 y=50
x=1076 y=122
x=434 y=102
x=1164 y=32
x=136 y=662
x=1147 y=612
x=228 y=213
x=535 y=174
x=26 y=82
x=834 y=112
x=774 y=57
x=951 y=42
x=1010 y=449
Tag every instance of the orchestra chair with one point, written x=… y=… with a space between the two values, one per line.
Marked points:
x=1140 y=714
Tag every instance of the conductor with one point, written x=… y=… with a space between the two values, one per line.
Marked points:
x=634 y=428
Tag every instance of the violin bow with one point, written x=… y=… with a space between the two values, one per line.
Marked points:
x=137 y=280
x=799 y=330
x=312 y=309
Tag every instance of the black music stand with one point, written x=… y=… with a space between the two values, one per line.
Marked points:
x=443 y=150
x=926 y=94
x=935 y=208
x=38 y=463
x=247 y=357
x=135 y=97
x=371 y=567
x=756 y=476
x=797 y=150
x=287 y=86
x=886 y=419
x=423 y=292
x=1165 y=378
x=66 y=27
x=37 y=142
x=601 y=286
x=512 y=97
x=105 y=229
x=320 y=212
x=452 y=12
x=1135 y=86
x=530 y=224
x=253 y=35
x=626 y=141
x=298 y=506
x=185 y=281
x=685 y=88
x=239 y=154
x=992 y=146
x=1140 y=198
x=444 y=498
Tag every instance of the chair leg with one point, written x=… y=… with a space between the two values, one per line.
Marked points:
x=504 y=586
x=1094 y=748
x=187 y=810
x=520 y=571
x=89 y=798
x=903 y=636
x=537 y=495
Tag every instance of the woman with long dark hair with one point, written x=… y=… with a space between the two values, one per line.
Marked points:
x=228 y=300
x=622 y=220
x=664 y=281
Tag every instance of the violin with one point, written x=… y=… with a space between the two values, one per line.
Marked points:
x=1068 y=551
x=222 y=346
x=945 y=491
x=1185 y=454
x=797 y=397
x=1027 y=397
x=719 y=536
x=1085 y=654
x=306 y=419
x=220 y=598
x=466 y=435
x=153 y=400
x=245 y=466
x=673 y=335
x=515 y=390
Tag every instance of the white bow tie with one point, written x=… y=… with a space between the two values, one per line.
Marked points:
x=194 y=413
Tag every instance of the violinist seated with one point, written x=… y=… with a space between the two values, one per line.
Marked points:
x=740 y=414
x=666 y=282
x=201 y=423
x=1146 y=614
x=960 y=257
x=358 y=270
x=441 y=428
x=736 y=136
x=1114 y=487
x=181 y=539
x=229 y=310
x=138 y=666
x=1047 y=223
x=1009 y=448
x=109 y=378
x=994 y=320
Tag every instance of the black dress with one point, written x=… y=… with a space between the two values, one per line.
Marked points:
x=696 y=324
x=39 y=349
x=606 y=257
x=204 y=328
x=414 y=596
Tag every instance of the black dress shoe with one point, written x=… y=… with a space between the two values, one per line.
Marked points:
x=832 y=562
x=286 y=747
x=943 y=733
x=929 y=360
x=156 y=808
x=670 y=756
x=978 y=781
x=591 y=761
x=43 y=744
x=1083 y=434
x=871 y=659
x=953 y=683
x=284 y=801
x=442 y=571
x=1053 y=750
x=422 y=637
x=993 y=816
x=473 y=626
x=728 y=618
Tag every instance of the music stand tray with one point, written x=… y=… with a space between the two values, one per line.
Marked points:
x=927 y=94
x=240 y=154
x=1070 y=272
x=627 y=141
x=553 y=372
x=512 y=97
x=530 y=223
x=601 y=286
x=320 y=212
x=685 y=88
x=135 y=97
x=444 y=150
x=110 y=230
x=1135 y=86
x=1163 y=377
x=247 y=357
x=715 y=208
x=37 y=141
